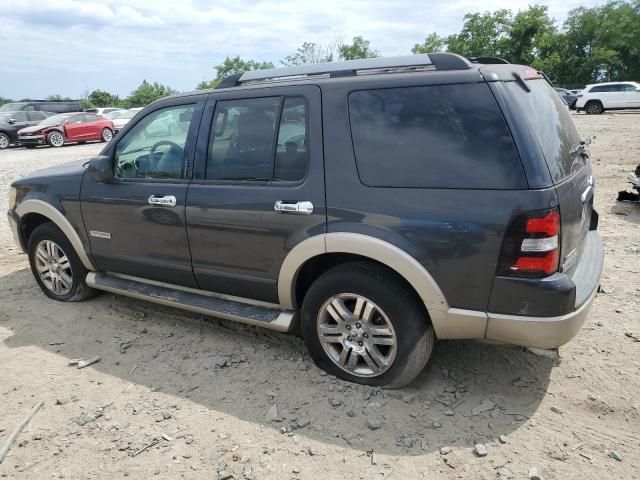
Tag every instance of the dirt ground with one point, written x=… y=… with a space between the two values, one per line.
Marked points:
x=176 y=395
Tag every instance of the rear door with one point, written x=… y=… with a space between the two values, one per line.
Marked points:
x=93 y=126
x=258 y=187
x=566 y=158
x=75 y=128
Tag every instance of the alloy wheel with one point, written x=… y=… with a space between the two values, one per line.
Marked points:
x=53 y=267
x=357 y=335
x=4 y=141
x=56 y=139
x=107 y=135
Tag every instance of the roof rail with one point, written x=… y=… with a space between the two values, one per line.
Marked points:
x=439 y=61
x=487 y=60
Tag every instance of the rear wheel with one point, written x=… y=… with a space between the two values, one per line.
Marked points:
x=362 y=325
x=55 y=139
x=107 y=135
x=593 y=108
x=56 y=266
x=5 y=141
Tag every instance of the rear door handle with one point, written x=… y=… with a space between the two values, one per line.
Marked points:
x=296 y=208
x=162 y=200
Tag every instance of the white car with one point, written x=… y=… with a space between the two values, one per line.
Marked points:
x=122 y=117
x=102 y=111
x=597 y=98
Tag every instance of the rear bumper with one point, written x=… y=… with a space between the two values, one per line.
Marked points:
x=553 y=331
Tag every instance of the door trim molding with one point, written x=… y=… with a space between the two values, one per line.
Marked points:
x=47 y=210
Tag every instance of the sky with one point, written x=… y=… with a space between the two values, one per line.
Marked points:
x=69 y=47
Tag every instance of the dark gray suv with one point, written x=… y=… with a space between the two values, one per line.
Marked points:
x=377 y=204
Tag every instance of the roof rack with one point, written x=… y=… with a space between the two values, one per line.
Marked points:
x=438 y=61
x=488 y=60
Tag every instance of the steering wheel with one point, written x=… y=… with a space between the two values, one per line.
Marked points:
x=174 y=146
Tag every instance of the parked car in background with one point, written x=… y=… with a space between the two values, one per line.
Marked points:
x=53 y=106
x=103 y=111
x=375 y=211
x=11 y=122
x=65 y=128
x=597 y=98
x=123 y=118
x=576 y=91
x=569 y=98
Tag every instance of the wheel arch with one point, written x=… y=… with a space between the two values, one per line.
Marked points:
x=34 y=212
x=335 y=248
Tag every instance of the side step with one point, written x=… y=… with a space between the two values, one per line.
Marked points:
x=231 y=308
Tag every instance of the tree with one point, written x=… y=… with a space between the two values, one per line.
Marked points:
x=231 y=66
x=525 y=32
x=4 y=100
x=100 y=98
x=359 y=48
x=433 y=43
x=57 y=96
x=147 y=93
x=482 y=35
x=310 y=52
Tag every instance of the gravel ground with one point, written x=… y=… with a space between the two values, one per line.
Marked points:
x=176 y=395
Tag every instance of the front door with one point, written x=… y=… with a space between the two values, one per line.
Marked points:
x=136 y=224
x=258 y=187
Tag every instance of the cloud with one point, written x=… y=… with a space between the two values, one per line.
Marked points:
x=63 y=46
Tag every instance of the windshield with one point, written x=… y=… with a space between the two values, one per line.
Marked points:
x=115 y=114
x=55 y=120
x=12 y=107
x=129 y=114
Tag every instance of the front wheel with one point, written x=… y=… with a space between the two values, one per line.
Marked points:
x=5 y=141
x=107 y=135
x=362 y=325
x=56 y=266
x=55 y=139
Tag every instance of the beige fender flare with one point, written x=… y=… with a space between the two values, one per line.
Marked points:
x=53 y=214
x=447 y=322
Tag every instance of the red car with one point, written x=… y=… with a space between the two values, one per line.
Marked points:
x=67 y=127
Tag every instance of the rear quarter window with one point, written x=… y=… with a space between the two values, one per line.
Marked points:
x=441 y=136
x=552 y=125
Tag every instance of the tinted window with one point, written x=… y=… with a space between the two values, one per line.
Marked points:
x=91 y=118
x=628 y=88
x=19 y=116
x=36 y=116
x=604 y=89
x=242 y=140
x=292 y=153
x=155 y=146
x=449 y=136
x=552 y=124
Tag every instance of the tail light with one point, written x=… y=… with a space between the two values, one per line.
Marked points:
x=531 y=247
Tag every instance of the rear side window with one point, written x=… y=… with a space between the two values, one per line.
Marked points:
x=443 y=136
x=552 y=125
x=605 y=88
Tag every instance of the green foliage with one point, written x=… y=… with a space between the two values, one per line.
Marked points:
x=433 y=43
x=310 y=52
x=483 y=34
x=100 y=98
x=359 y=48
x=57 y=96
x=86 y=104
x=231 y=66
x=4 y=100
x=147 y=93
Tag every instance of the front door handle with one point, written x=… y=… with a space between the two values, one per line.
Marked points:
x=162 y=200
x=297 y=208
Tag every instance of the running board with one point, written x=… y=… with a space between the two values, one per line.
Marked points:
x=200 y=301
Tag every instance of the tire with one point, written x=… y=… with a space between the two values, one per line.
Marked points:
x=404 y=339
x=107 y=135
x=55 y=139
x=47 y=242
x=5 y=141
x=593 y=108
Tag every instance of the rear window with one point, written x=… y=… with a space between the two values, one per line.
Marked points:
x=442 y=136
x=552 y=125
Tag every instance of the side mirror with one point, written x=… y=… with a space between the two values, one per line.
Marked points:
x=101 y=169
x=11 y=121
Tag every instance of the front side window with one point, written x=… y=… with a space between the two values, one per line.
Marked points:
x=19 y=117
x=260 y=139
x=36 y=116
x=441 y=136
x=155 y=147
